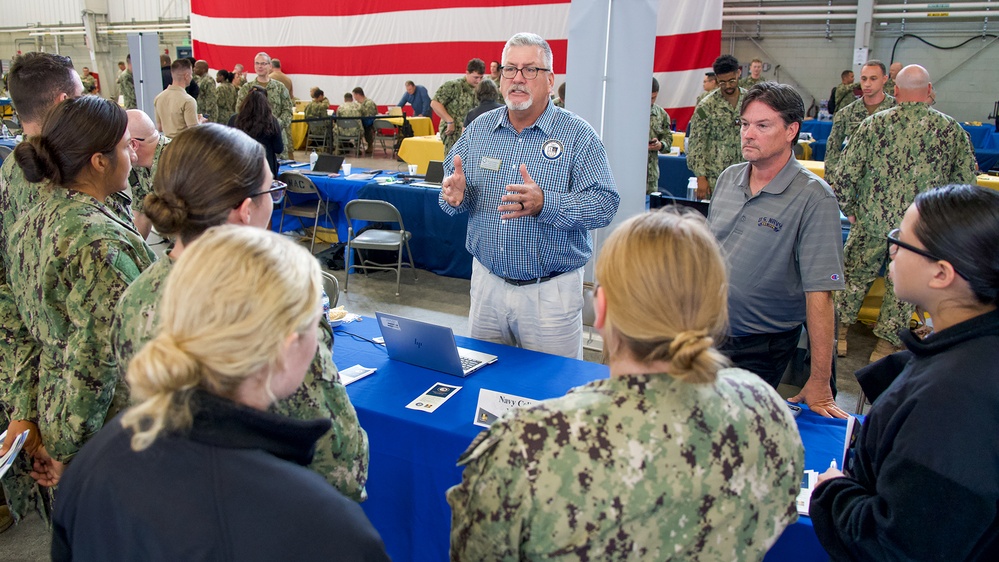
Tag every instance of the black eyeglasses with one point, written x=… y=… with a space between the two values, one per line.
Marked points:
x=276 y=190
x=894 y=244
x=529 y=72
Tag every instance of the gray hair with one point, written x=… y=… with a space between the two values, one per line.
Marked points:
x=530 y=40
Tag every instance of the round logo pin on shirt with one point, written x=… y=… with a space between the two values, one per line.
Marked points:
x=552 y=149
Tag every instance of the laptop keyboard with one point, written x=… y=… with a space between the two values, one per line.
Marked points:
x=469 y=363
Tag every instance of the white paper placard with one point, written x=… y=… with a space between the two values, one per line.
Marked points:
x=494 y=404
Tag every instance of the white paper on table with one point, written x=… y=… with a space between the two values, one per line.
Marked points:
x=433 y=397
x=494 y=404
x=808 y=482
x=8 y=459
x=355 y=373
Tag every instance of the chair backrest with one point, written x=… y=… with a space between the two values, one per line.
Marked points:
x=373 y=210
x=298 y=183
x=332 y=287
x=349 y=125
x=5 y=152
x=383 y=124
x=589 y=315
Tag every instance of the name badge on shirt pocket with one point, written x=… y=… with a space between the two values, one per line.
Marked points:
x=489 y=163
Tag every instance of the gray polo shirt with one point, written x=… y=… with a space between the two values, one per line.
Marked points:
x=779 y=244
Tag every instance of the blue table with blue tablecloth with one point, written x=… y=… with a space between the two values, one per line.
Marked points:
x=413 y=454
x=438 y=242
x=335 y=190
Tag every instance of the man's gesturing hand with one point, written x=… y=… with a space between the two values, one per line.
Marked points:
x=522 y=199
x=454 y=185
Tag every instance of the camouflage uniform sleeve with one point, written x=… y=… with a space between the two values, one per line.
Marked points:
x=852 y=168
x=243 y=90
x=284 y=110
x=82 y=398
x=834 y=146
x=700 y=130
x=341 y=455
x=491 y=505
x=965 y=165
x=208 y=102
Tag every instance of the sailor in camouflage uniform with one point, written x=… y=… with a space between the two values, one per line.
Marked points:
x=755 y=75
x=845 y=122
x=341 y=456
x=714 y=129
x=147 y=143
x=672 y=457
x=894 y=155
x=843 y=94
x=454 y=99
x=660 y=139
x=207 y=101
x=75 y=258
x=225 y=96
x=277 y=96
x=88 y=80
x=30 y=73
x=126 y=85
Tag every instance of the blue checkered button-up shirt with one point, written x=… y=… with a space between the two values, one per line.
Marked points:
x=566 y=159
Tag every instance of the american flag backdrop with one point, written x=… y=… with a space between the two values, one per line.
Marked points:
x=379 y=44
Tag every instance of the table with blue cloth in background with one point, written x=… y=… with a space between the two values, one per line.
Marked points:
x=438 y=241
x=413 y=454
x=337 y=191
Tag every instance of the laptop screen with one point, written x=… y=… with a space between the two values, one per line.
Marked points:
x=435 y=172
x=329 y=164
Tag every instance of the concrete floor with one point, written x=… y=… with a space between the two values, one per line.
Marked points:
x=441 y=300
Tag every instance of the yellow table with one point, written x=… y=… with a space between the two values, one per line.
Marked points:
x=422 y=126
x=815 y=167
x=421 y=150
x=299 y=131
x=986 y=180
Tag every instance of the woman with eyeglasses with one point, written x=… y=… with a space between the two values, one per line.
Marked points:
x=674 y=457
x=232 y=184
x=923 y=483
x=199 y=468
x=256 y=119
x=71 y=258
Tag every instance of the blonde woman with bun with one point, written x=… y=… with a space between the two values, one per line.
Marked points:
x=232 y=184
x=675 y=456
x=200 y=468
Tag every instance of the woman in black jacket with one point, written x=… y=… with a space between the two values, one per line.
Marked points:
x=256 y=119
x=923 y=483
x=200 y=468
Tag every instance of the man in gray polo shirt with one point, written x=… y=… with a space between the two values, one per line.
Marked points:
x=778 y=225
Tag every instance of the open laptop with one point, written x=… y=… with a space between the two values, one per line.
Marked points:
x=326 y=165
x=429 y=346
x=434 y=177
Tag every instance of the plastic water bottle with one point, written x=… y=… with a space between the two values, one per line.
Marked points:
x=312 y=159
x=692 y=189
x=326 y=304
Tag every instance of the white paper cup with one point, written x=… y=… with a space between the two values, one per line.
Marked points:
x=345 y=169
x=412 y=169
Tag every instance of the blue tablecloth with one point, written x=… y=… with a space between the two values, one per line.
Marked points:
x=673 y=175
x=413 y=453
x=438 y=242
x=336 y=190
x=819 y=150
x=820 y=129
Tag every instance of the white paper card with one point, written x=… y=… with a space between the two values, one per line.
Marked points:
x=494 y=404
x=8 y=459
x=808 y=482
x=433 y=397
x=355 y=373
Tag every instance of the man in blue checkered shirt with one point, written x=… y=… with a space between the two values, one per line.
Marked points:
x=535 y=180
